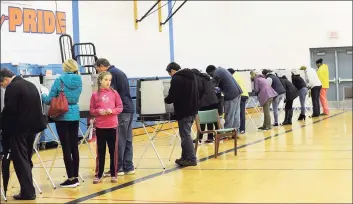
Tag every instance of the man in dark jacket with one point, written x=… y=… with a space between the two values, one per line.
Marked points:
x=276 y=84
x=208 y=100
x=184 y=95
x=121 y=84
x=231 y=91
x=22 y=118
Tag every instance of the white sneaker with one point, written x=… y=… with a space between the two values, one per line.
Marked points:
x=130 y=172
x=121 y=173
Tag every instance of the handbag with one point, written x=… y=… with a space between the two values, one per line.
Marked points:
x=59 y=104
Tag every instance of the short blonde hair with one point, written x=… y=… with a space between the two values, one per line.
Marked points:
x=70 y=65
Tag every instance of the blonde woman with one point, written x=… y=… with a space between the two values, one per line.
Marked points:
x=67 y=124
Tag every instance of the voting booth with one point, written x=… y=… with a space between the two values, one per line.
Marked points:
x=150 y=106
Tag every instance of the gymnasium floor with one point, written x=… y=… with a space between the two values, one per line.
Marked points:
x=309 y=162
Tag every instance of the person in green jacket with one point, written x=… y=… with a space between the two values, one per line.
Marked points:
x=244 y=97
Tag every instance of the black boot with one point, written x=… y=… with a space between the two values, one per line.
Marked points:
x=288 y=117
x=301 y=117
x=285 y=117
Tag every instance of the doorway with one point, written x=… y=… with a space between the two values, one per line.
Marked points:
x=339 y=61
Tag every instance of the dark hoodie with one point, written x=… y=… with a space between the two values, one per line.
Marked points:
x=291 y=91
x=207 y=94
x=184 y=94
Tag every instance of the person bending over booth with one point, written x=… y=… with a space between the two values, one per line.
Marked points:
x=232 y=92
x=120 y=83
x=244 y=98
x=300 y=84
x=21 y=119
x=314 y=84
x=184 y=95
x=265 y=94
x=208 y=101
x=291 y=94
x=67 y=125
x=276 y=84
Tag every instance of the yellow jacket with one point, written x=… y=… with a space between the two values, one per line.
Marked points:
x=240 y=81
x=323 y=74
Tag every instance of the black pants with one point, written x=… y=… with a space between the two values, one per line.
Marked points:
x=21 y=153
x=242 y=112
x=106 y=136
x=289 y=105
x=210 y=125
x=68 y=134
x=315 y=99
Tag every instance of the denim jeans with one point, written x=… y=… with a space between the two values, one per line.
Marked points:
x=187 y=146
x=275 y=104
x=302 y=95
x=125 y=151
x=232 y=113
x=242 y=112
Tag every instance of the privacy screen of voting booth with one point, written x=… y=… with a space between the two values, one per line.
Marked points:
x=150 y=96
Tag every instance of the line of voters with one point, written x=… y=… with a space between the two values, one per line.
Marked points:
x=224 y=89
x=112 y=107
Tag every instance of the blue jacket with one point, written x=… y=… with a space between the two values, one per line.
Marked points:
x=72 y=90
x=227 y=84
x=121 y=84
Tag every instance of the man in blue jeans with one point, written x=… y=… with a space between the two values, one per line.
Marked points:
x=121 y=84
x=232 y=95
x=184 y=94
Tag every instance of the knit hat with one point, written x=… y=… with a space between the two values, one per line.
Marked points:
x=303 y=68
x=70 y=65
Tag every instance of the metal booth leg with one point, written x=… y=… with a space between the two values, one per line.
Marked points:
x=3 y=194
x=38 y=136
x=150 y=141
x=35 y=183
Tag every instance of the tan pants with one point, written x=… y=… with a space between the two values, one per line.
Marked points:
x=267 y=116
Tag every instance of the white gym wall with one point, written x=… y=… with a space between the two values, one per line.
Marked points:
x=110 y=26
x=257 y=35
x=33 y=48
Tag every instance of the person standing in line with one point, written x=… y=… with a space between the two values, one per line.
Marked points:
x=276 y=84
x=184 y=94
x=21 y=119
x=291 y=94
x=105 y=106
x=300 y=85
x=324 y=76
x=67 y=125
x=231 y=91
x=265 y=94
x=314 y=84
x=208 y=101
x=244 y=97
x=120 y=83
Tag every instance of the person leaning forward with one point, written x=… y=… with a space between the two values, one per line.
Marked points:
x=22 y=118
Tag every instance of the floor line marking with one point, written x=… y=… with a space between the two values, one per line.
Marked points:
x=139 y=180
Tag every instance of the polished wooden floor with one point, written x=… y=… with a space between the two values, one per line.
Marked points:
x=308 y=162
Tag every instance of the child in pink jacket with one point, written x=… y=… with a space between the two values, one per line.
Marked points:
x=105 y=106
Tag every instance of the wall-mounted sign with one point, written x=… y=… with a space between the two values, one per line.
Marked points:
x=29 y=20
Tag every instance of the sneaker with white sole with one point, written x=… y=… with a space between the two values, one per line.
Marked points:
x=131 y=172
x=69 y=184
